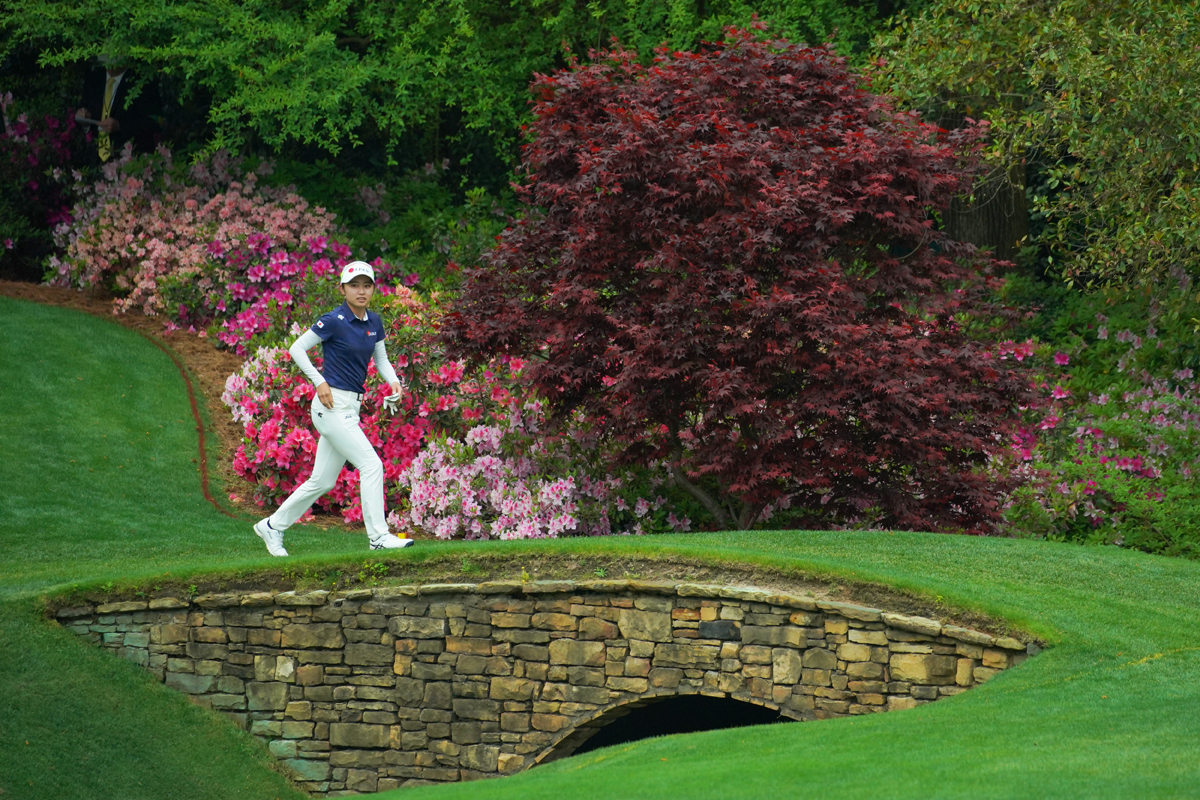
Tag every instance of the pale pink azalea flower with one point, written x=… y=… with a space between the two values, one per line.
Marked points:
x=679 y=524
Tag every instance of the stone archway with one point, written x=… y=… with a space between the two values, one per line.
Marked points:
x=586 y=731
x=373 y=689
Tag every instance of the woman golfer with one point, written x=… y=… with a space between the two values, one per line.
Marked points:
x=351 y=335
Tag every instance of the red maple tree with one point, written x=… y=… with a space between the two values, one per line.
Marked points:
x=730 y=262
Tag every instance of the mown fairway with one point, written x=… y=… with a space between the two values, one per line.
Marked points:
x=96 y=491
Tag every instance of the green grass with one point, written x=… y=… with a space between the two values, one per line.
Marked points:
x=1112 y=709
x=100 y=457
x=100 y=478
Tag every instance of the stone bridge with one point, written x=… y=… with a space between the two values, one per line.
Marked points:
x=372 y=689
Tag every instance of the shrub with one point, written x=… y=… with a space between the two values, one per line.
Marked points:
x=1113 y=453
x=35 y=185
x=735 y=270
x=271 y=398
x=507 y=478
x=201 y=246
x=415 y=220
x=1117 y=469
x=1097 y=329
x=465 y=455
x=145 y=223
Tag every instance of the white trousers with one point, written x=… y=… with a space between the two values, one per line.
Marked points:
x=341 y=440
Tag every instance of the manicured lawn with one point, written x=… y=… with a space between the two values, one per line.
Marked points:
x=100 y=457
x=1111 y=709
x=100 y=478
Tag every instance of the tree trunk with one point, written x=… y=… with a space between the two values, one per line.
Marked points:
x=997 y=219
x=704 y=497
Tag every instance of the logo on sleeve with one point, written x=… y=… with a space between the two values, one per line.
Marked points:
x=320 y=324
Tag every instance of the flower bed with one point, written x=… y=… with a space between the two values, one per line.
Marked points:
x=1116 y=466
x=467 y=455
x=205 y=246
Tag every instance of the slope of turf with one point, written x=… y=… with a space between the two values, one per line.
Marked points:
x=99 y=476
x=100 y=456
x=1112 y=709
x=78 y=723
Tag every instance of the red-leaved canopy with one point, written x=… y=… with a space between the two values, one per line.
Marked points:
x=730 y=263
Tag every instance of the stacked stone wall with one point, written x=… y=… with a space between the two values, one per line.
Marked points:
x=373 y=689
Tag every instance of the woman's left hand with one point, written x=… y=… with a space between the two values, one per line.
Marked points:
x=392 y=401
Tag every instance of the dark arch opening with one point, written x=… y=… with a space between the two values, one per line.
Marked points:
x=681 y=714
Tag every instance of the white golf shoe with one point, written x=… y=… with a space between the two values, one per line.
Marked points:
x=389 y=542
x=272 y=537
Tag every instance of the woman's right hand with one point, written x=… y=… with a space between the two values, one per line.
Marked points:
x=324 y=395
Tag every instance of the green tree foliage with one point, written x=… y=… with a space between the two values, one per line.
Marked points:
x=337 y=73
x=1097 y=100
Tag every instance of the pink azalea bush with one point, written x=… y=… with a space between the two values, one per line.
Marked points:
x=146 y=229
x=35 y=182
x=1112 y=467
x=275 y=291
x=248 y=287
x=505 y=479
x=271 y=399
x=203 y=247
x=466 y=455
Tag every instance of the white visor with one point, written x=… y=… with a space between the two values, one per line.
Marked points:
x=356 y=268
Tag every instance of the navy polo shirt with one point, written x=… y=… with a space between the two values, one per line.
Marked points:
x=348 y=344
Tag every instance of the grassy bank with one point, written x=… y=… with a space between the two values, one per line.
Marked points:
x=95 y=491
x=100 y=477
